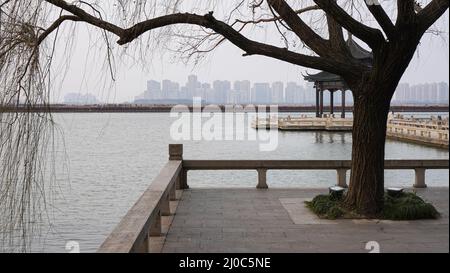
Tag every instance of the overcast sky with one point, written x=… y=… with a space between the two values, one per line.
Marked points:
x=431 y=64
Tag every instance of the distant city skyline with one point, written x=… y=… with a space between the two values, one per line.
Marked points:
x=227 y=92
x=80 y=99
x=244 y=92
x=430 y=64
x=425 y=93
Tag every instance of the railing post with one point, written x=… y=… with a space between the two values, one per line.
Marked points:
x=143 y=248
x=176 y=153
x=420 y=178
x=155 y=228
x=262 y=179
x=183 y=180
x=178 y=182
x=165 y=206
x=173 y=190
x=342 y=178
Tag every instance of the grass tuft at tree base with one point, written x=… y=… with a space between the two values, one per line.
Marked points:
x=408 y=206
x=405 y=206
x=325 y=207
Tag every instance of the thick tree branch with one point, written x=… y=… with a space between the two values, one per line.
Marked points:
x=56 y=25
x=333 y=65
x=406 y=11
x=383 y=20
x=208 y=21
x=431 y=13
x=299 y=27
x=371 y=36
x=336 y=35
x=84 y=16
x=249 y=46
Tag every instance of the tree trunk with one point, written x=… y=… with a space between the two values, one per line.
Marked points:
x=366 y=188
x=373 y=93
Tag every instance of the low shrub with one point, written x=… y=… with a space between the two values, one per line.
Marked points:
x=405 y=206
x=408 y=206
x=325 y=206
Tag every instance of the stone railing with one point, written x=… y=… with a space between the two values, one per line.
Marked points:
x=341 y=167
x=418 y=124
x=419 y=131
x=437 y=136
x=143 y=220
x=328 y=123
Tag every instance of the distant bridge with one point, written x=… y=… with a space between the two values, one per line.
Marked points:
x=133 y=108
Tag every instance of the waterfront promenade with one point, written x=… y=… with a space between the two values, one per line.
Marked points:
x=276 y=220
x=171 y=217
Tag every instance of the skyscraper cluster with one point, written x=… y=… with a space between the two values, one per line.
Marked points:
x=428 y=93
x=225 y=92
x=80 y=99
x=244 y=92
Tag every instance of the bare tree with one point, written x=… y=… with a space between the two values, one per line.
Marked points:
x=28 y=29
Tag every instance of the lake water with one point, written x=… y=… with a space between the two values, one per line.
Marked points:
x=112 y=158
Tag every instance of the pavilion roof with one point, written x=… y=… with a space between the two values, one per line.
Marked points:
x=357 y=52
x=323 y=77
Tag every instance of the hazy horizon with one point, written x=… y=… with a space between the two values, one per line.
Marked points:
x=87 y=71
x=302 y=83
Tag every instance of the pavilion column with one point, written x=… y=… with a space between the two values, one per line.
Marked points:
x=321 y=103
x=317 y=103
x=331 y=102
x=343 y=103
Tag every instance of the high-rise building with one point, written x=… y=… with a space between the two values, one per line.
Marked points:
x=80 y=99
x=153 y=86
x=277 y=94
x=193 y=87
x=433 y=95
x=261 y=93
x=429 y=93
x=302 y=95
x=443 y=93
x=153 y=90
x=292 y=93
x=401 y=93
x=310 y=94
x=243 y=88
x=207 y=92
x=170 y=90
x=221 y=90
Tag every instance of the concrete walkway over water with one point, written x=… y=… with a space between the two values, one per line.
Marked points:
x=276 y=220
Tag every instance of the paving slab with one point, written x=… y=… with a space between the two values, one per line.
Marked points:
x=276 y=220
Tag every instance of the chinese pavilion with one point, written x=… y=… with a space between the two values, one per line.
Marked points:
x=325 y=81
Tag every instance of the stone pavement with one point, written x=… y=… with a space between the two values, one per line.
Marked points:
x=275 y=220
